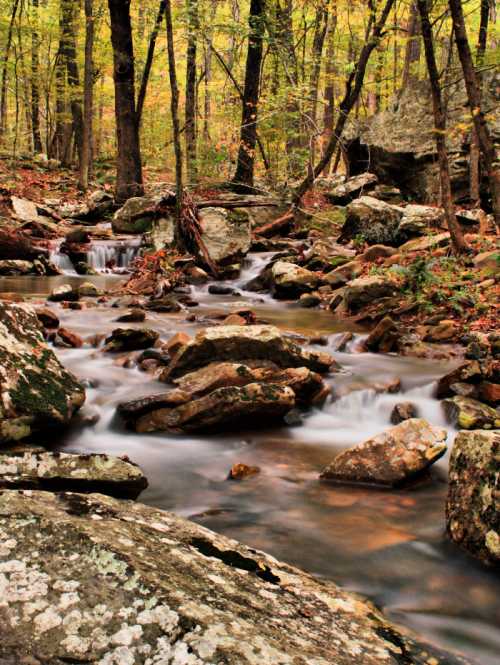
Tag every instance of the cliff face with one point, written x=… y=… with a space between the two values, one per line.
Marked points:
x=398 y=144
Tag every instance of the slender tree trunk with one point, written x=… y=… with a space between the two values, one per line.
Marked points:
x=244 y=174
x=353 y=88
x=174 y=103
x=5 y=72
x=69 y=10
x=35 y=78
x=412 y=51
x=329 y=92
x=457 y=238
x=475 y=152
x=88 y=97
x=320 y=29
x=207 y=100
x=129 y=168
x=190 y=101
x=474 y=96
x=149 y=61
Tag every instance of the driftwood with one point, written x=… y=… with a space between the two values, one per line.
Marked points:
x=276 y=225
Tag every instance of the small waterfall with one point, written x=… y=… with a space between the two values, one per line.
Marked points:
x=103 y=256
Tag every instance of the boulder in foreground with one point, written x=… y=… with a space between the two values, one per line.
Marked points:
x=473 y=504
x=87 y=578
x=58 y=472
x=391 y=458
x=243 y=343
x=36 y=392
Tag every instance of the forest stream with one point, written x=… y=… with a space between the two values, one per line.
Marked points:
x=388 y=545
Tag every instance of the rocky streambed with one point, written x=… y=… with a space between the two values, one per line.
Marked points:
x=388 y=545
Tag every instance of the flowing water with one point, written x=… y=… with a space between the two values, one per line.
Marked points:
x=387 y=545
x=103 y=255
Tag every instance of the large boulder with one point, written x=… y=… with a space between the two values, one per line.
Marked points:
x=56 y=472
x=139 y=212
x=372 y=221
x=36 y=392
x=226 y=234
x=391 y=458
x=417 y=220
x=469 y=413
x=87 y=578
x=254 y=403
x=243 y=343
x=364 y=290
x=473 y=504
x=398 y=144
x=290 y=280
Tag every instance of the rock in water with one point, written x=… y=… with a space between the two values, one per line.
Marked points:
x=234 y=343
x=255 y=401
x=468 y=413
x=226 y=234
x=473 y=504
x=87 y=578
x=36 y=391
x=58 y=472
x=290 y=280
x=391 y=458
x=131 y=339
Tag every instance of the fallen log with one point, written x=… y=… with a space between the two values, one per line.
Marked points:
x=276 y=225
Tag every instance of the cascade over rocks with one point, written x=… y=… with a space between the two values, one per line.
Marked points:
x=391 y=458
x=143 y=585
x=36 y=392
x=56 y=472
x=473 y=503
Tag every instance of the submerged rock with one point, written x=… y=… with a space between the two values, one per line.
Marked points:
x=468 y=413
x=403 y=411
x=62 y=472
x=473 y=503
x=131 y=339
x=241 y=471
x=242 y=343
x=391 y=458
x=89 y=578
x=36 y=391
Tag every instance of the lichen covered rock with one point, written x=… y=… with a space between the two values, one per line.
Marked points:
x=391 y=458
x=468 y=413
x=290 y=280
x=36 y=391
x=372 y=221
x=87 y=578
x=225 y=234
x=57 y=472
x=240 y=343
x=473 y=504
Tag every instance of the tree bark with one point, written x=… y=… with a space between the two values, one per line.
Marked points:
x=88 y=97
x=129 y=168
x=190 y=100
x=353 y=88
x=3 y=93
x=244 y=174
x=174 y=104
x=35 y=79
x=457 y=238
x=69 y=9
x=149 y=61
x=329 y=92
x=320 y=29
x=475 y=152
x=412 y=51
x=474 y=96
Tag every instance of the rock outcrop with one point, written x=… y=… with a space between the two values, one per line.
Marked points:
x=391 y=458
x=473 y=504
x=36 y=392
x=89 y=578
x=138 y=213
x=225 y=234
x=56 y=472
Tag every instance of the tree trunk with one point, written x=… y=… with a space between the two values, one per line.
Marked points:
x=35 y=79
x=353 y=88
x=88 y=97
x=129 y=168
x=474 y=96
x=321 y=25
x=457 y=238
x=329 y=92
x=174 y=103
x=190 y=101
x=3 y=93
x=149 y=61
x=207 y=100
x=244 y=174
x=412 y=51
x=474 y=157
x=69 y=10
